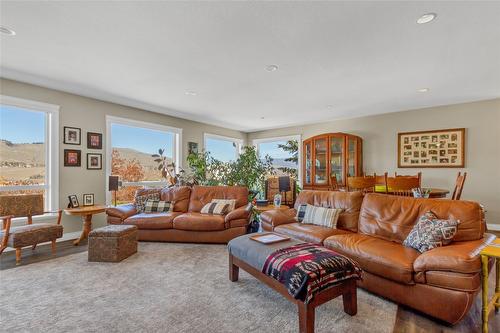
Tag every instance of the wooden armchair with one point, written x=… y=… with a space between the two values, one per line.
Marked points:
x=26 y=205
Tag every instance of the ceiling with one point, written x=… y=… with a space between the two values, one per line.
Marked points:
x=335 y=59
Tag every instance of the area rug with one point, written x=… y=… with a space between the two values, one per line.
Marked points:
x=165 y=287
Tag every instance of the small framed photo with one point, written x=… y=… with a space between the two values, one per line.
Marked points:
x=94 y=140
x=72 y=135
x=192 y=148
x=72 y=158
x=88 y=199
x=94 y=161
x=73 y=201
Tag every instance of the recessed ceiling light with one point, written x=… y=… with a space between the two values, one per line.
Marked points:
x=426 y=18
x=7 y=31
x=190 y=93
x=272 y=68
x=329 y=107
x=422 y=90
x=261 y=117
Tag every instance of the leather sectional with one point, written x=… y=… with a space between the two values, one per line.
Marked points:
x=442 y=282
x=185 y=223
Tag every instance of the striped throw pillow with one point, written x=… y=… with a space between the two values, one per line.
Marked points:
x=215 y=208
x=155 y=206
x=231 y=202
x=301 y=212
x=325 y=217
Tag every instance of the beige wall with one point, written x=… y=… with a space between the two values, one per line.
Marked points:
x=379 y=133
x=89 y=115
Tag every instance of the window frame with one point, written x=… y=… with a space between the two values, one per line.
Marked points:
x=238 y=142
x=51 y=186
x=298 y=137
x=176 y=149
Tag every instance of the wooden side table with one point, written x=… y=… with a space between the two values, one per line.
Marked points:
x=491 y=251
x=86 y=213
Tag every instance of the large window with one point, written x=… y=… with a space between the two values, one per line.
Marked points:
x=285 y=153
x=130 y=145
x=29 y=149
x=222 y=148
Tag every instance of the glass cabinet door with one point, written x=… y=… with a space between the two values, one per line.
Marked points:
x=337 y=158
x=308 y=163
x=351 y=156
x=320 y=164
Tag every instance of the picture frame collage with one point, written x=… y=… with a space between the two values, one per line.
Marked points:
x=72 y=157
x=432 y=149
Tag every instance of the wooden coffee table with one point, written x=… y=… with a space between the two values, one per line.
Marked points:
x=86 y=213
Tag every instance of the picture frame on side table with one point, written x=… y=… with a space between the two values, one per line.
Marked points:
x=94 y=161
x=88 y=199
x=73 y=201
x=94 y=140
x=72 y=136
x=432 y=149
x=72 y=158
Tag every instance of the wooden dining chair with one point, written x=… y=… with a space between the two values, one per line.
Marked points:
x=365 y=184
x=334 y=185
x=418 y=175
x=401 y=186
x=459 y=186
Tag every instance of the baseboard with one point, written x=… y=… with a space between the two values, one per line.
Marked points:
x=66 y=236
x=494 y=227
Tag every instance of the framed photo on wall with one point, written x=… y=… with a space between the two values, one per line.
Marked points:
x=192 y=148
x=432 y=149
x=94 y=140
x=94 y=161
x=72 y=135
x=72 y=158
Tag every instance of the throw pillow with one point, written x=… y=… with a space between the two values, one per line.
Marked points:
x=231 y=202
x=216 y=208
x=154 y=206
x=325 y=217
x=140 y=200
x=431 y=232
x=301 y=212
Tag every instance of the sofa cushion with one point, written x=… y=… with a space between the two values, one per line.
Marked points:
x=201 y=195
x=143 y=195
x=152 y=220
x=199 y=222
x=308 y=232
x=179 y=194
x=377 y=256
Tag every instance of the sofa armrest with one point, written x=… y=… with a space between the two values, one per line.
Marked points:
x=122 y=211
x=277 y=217
x=460 y=257
x=241 y=213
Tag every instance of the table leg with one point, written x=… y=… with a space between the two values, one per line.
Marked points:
x=484 y=281
x=497 y=285
x=233 y=270
x=350 y=300
x=306 y=318
x=87 y=226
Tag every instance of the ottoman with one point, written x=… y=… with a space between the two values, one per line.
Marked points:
x=112 y=243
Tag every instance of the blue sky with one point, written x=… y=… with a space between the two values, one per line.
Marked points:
x=144 y=140
x=221 y=149
x=271 y=149
x=21 y=126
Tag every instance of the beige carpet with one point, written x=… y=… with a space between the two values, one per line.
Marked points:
x=163 y=288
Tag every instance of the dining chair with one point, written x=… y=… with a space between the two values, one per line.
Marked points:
x=365 y=184
x=401 y=185
x=418 y=175
x=459 y=186
x=334 y=185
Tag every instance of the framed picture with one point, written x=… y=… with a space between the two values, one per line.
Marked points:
x=94 y=161
x=88 y=199
x=432 y=149
x=72 y=158
x=73 y=201
x=192 y=148
x=72 y=135
x=94 y=140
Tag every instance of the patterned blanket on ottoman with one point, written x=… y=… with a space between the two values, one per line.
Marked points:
x=307 y=269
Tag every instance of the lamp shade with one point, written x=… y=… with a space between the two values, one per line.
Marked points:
x=113 y=183
x=284 y=183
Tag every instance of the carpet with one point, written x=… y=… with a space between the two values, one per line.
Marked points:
x=165 y=287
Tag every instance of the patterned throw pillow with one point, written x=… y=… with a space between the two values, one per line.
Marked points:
x=325 y=217
x=154 y=206
x=231 y=202
x=140 y=200
x=215 y=208
x=431 y=232
x=301 y=212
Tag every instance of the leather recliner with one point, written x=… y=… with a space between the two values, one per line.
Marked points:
x=441 y=282
x=185 y=223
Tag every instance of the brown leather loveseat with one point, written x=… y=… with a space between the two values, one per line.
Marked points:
x=185 y=223
x=441 y=282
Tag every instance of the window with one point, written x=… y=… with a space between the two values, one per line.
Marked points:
x=29 y=132
x=285 y=152
x=130 y=145
x=222 y=148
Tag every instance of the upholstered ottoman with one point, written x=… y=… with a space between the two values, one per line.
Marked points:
x=112 y=243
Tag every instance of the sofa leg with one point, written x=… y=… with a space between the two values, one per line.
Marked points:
x=53 y=247
x=18 y=256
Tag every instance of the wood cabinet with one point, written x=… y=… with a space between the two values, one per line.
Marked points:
x=331 y=155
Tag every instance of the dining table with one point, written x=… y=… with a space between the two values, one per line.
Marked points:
x=434 y=193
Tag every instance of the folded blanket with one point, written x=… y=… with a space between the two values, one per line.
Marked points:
x=307 y=269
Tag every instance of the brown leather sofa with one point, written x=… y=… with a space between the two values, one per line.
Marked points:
x=442 y=282
x=185 y=223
